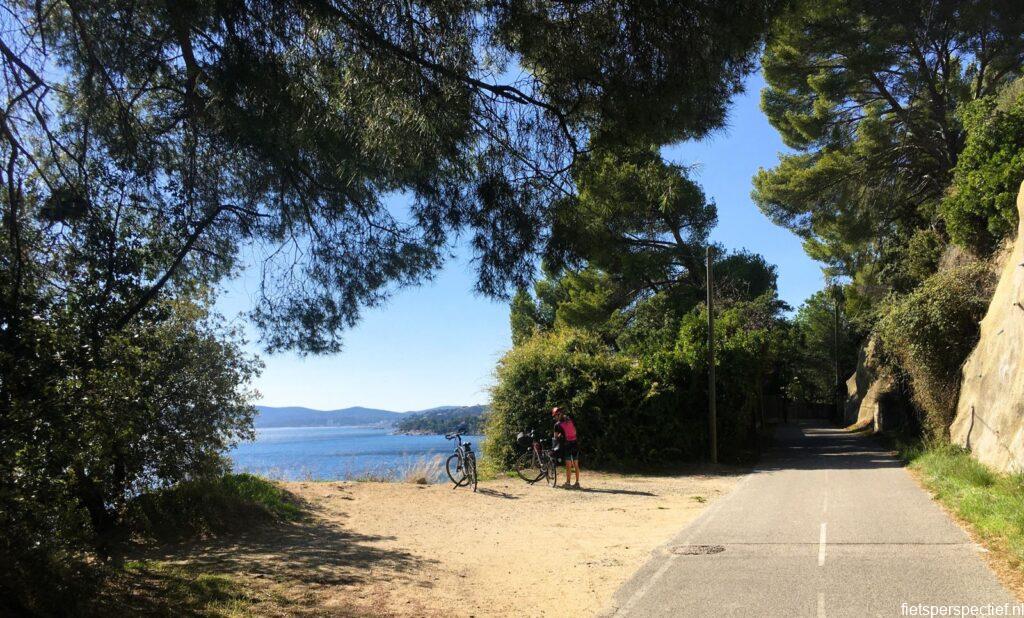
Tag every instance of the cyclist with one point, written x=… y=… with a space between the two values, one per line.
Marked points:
x=565 y=432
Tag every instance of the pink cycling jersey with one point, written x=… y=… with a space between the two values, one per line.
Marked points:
x=568 y=429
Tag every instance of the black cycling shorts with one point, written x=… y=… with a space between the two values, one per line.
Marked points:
x=571 y=451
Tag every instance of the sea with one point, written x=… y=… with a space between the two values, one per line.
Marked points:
x=341 y=453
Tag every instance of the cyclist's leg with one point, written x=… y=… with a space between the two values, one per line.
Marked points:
x=576 y=461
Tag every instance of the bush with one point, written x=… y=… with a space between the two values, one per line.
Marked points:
x=980 y=209
x=624 y=413
x=216 y=505
x=928 y=334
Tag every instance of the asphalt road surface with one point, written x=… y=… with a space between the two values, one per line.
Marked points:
x=830 y=524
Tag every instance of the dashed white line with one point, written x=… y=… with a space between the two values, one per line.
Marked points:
x=824 y=505
x=821 y=605
x=821 y=545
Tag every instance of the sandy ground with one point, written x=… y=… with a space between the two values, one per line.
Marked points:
x=510 y=549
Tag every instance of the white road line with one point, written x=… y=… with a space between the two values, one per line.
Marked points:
x=821 y=546
x=821 y=605
x=824 y=505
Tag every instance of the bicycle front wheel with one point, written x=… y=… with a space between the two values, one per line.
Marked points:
x=456 y=470
x=471 y=469
x=529 y=468
x=552 y=472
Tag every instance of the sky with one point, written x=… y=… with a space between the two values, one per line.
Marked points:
x=437 y=344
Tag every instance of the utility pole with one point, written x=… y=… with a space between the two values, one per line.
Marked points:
x=712 y=412
x=835 y=345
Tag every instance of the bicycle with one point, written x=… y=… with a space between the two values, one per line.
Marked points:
x=463 y=460
x=537 y=462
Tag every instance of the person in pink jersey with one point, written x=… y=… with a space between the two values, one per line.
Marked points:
x=565 y=432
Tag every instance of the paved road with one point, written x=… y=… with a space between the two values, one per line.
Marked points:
x=829 y=524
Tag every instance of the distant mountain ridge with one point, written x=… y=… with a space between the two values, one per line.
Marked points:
x=356 y=416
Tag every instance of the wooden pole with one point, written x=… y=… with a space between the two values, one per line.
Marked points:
x=712 y=412
x=835 y=343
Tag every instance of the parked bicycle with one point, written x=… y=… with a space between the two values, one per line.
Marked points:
x=461 y=465
x=537 y=462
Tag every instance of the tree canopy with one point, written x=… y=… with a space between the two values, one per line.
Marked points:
x=287 y=126
x=867 y=92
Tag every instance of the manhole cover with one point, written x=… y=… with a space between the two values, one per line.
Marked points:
x=697 y=550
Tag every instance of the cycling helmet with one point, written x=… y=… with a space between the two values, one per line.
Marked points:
x=555 y=411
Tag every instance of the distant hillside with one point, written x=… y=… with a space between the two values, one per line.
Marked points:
x=305 y=417
x=443 y=420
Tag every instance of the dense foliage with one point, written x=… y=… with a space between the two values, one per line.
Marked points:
x=623 y=412
x=152 y=405
x=981 y=208
x=867 y=94
x=815 y=336
x=928 y=334
x=643 y=399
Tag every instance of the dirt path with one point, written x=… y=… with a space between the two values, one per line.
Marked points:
x=510 y=549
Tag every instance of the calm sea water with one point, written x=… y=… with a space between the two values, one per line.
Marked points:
x=337 y=453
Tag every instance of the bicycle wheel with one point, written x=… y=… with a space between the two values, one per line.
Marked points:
x=529 y=468
x=471 y=469
x=456 y=471
x=552 y=472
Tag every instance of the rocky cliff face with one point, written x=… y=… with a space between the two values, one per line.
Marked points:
x=990 y=411
x=869 y=394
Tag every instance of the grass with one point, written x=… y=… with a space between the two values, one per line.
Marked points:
x=205 y=507
x=990 y=502
x=227 y=504
x=421 y=471
x=161 y=589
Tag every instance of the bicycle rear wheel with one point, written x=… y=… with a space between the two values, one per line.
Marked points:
x=456 y=470
x=529 y=468
x=552 y=472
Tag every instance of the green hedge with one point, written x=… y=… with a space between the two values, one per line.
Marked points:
x=625 y=413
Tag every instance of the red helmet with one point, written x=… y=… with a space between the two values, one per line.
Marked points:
x=555 y=411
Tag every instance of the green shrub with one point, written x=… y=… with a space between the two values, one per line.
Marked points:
x=927 y=334
x=645 y=409
x=211 y=506
x=624 y=413
x=980 y=208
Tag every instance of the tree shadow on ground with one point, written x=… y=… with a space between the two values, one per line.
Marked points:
x=245 y=566
x=494 y=493
x=625 y=492
x=315 y=551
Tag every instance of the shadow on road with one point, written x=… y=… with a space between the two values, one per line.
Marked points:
x=816 y=445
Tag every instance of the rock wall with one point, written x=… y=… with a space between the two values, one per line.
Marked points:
x=868 y=393
x=990 y=411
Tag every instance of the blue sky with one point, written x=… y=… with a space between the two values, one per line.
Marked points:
x=437 y=344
